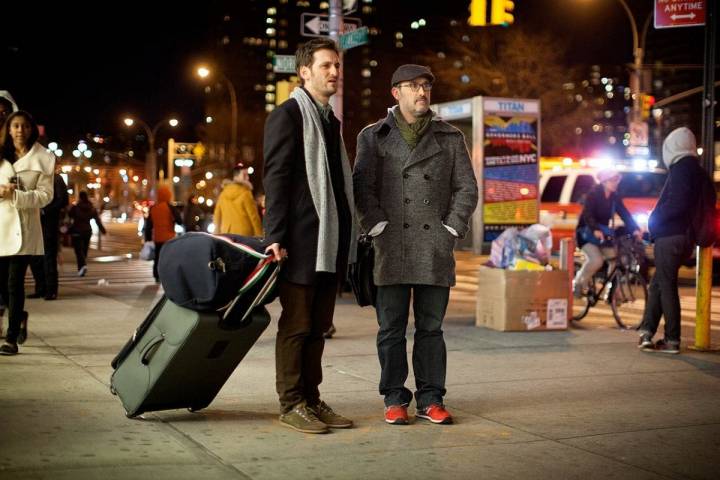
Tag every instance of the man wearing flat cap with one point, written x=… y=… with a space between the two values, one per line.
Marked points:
x=415 y=191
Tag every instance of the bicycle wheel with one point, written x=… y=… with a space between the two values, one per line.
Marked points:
x=581 y=306
x=628 y=299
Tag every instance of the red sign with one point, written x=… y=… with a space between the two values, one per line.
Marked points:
x=679 y=13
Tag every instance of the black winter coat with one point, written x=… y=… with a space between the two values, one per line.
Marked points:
x=81 y=214
x=290 y=215
x=50 y=213
x=598 y=210
x=673 y=212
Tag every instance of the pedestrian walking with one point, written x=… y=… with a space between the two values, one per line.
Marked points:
x=26 y=185
x=81 y=230
x=160 y=224
x=45 y=268
x=192 y=215
x=669 y=226
x=7 y=106
x=236 y=211
x=415 y=191
x=309 y=217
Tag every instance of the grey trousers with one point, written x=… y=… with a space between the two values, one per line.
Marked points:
x=594 y=257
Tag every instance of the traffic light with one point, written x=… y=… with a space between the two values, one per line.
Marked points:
x=478 y=13
x=646 y=103
x=500 y=14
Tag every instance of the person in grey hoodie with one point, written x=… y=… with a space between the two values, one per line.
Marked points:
x=669 y=224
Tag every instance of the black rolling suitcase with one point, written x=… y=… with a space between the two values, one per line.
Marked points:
x=181 y=358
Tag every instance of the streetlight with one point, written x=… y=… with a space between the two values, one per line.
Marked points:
x=204 y=72
x=152 y=154
x=638 y=53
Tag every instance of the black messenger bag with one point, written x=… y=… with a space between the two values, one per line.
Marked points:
x=206 y=272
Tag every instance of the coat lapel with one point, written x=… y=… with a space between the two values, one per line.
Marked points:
x=427 y=147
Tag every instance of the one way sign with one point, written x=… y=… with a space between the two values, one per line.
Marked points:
x=318 y=24
x=679 y=13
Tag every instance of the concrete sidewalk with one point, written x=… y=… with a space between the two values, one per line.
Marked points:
x=581 y=404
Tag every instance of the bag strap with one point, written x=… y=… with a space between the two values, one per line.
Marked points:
x=252 y=279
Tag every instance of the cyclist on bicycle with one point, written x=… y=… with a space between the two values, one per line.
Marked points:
x=601 y=204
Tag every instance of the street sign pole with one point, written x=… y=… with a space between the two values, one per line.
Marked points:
x=336 y=23
x=704 y=255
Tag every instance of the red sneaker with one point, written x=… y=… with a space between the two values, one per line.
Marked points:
x=436 y=413
x=396 y=415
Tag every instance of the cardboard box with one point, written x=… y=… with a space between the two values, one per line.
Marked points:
x=522 y=300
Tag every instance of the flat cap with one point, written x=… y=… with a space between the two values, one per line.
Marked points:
x=410 y=71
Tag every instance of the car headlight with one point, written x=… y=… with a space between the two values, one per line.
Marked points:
x=641 y=219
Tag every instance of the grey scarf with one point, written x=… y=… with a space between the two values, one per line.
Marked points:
x=318 y=174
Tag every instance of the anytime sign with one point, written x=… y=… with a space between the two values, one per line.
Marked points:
x=679 y=13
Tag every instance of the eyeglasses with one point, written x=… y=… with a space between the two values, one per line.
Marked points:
x=415 y=87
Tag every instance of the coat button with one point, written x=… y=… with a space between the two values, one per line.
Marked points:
x=426 y=176
x=426 y=226
x=407 y=200
x=426 y=201
x=405 y=175
x=406 y=225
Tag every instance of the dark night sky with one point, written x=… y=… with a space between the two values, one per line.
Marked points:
x=79 y=71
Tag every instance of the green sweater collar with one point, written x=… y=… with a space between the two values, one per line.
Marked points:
x=412 y=133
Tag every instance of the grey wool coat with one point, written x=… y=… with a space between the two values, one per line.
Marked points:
x=416 y=191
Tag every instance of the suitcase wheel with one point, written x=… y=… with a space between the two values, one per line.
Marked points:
x=194 y=409
x=112 y=390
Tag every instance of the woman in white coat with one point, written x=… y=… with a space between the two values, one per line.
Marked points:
x=26 y=185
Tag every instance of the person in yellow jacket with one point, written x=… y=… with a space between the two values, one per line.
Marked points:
x=236 y=211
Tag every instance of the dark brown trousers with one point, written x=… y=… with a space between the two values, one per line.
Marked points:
x=307 y=313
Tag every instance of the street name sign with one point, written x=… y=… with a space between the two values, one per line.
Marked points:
x=318 y=24
x=354 y=38
x=679 y=13
x=284 y=64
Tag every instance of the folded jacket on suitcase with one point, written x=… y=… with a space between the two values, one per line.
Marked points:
x=206 y=272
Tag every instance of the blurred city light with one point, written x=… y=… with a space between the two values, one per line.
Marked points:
x=203 y=72
x=173 y=122
x=52 y=146
x=176 y=179
x=209 y=175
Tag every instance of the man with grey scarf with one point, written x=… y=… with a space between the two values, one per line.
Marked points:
x=415 y=191
x=309 y=220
